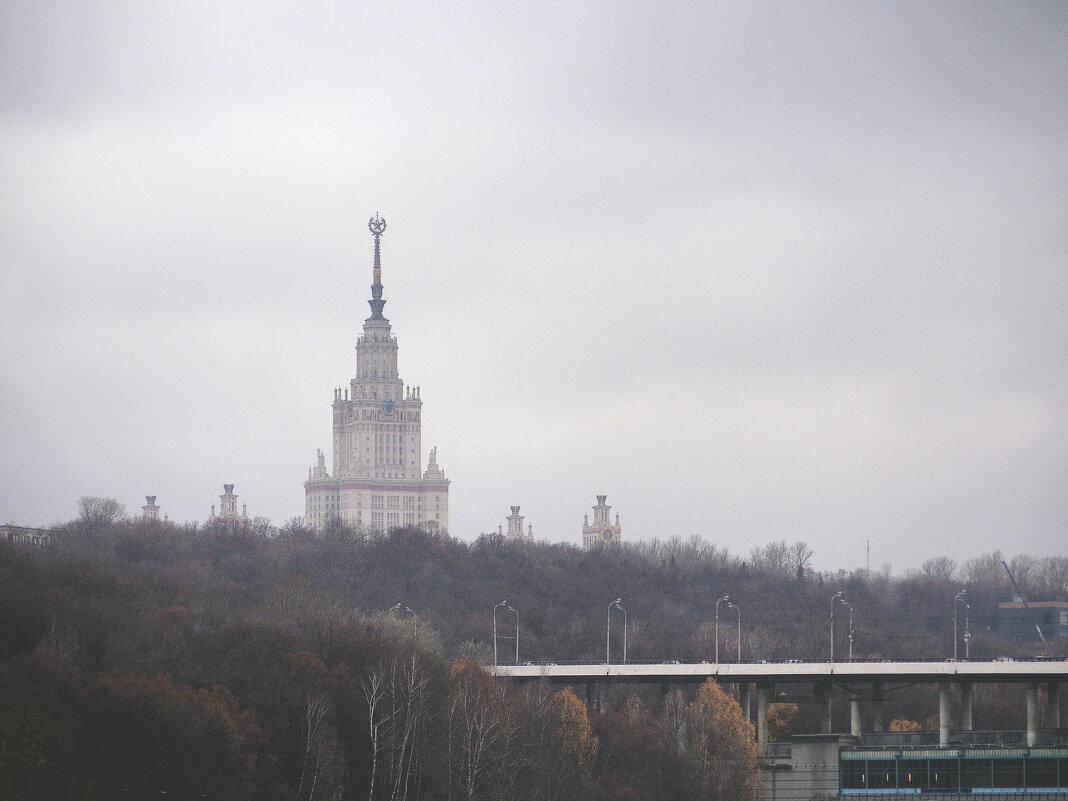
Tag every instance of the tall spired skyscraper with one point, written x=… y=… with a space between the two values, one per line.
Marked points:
x=377 y=477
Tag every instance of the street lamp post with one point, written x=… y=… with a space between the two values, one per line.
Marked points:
x=843 y=600
x=738 y=609
x=495 y=608
x=834 y=598
x=967 y=631
x=959 y=598
x=516 y=613
x=721 y=600
x=956 y=600
x=617 y=604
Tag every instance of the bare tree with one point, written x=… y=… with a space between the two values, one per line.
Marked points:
x=408 y=700
x=798 y=558
x=986 y=571
x=1053 y=576
x=673 y=720
x=1026 y=571
x=374 y=693
x=322 y=768
x=939 y=567
x=476 y=726
x=95 y=511
x=772 y=558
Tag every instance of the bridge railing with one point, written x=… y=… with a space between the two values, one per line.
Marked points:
x=970 y=739
x=919 y=659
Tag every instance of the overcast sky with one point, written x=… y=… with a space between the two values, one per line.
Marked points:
x=757 y=271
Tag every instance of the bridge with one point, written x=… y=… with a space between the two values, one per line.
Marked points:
x=860 y=680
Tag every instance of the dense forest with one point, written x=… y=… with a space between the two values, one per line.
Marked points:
x=226 y=662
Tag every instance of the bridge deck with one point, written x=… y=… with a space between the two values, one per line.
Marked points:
x=792 y=672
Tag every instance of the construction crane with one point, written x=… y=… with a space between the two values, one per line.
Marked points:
x=1030 y=615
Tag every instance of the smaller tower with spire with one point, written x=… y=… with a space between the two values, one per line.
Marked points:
x=515 y=527
x=228 y=508
x=602 y=530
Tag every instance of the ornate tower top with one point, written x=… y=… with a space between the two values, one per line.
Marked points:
x=377 y=227
x=515 y=527
x=602 y=530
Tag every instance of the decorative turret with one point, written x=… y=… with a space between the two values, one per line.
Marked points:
x=602 y=530
x=515 y=527
x=228 y=507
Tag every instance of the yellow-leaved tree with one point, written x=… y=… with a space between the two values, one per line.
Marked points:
x=904 y=724
x=721 y=746
x=574 y=745
x=781 y=719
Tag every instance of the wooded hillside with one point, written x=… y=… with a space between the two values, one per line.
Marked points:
x=239 y=663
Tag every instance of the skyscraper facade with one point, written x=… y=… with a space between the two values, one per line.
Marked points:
x=376 y=477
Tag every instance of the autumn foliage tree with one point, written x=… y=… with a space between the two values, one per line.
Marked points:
x=571 y=748
x=148 y=735
x=781 y=719
x=635 y=759
x=721 y=746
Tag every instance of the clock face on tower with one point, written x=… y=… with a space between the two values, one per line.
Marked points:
x=607 y=535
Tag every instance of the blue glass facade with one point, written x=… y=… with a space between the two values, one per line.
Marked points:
x=953 y=770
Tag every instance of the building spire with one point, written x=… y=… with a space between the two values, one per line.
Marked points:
x=377 y=226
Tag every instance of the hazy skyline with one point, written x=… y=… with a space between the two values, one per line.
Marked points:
x=757 y=271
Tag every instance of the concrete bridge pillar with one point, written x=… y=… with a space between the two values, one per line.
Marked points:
x=595 y=696
x=743 y=700
x=854 y=714
x=823 y=698
x=966 y=705
x=764 y=694
x=1032 y=714
x=943 y=714
x=878 y=706
x=1053 y=701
